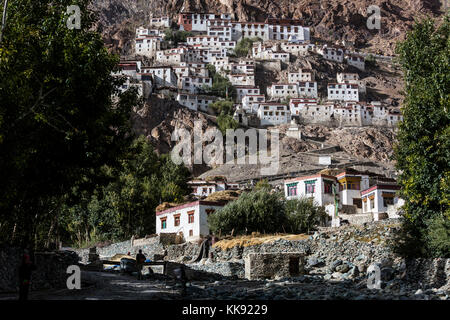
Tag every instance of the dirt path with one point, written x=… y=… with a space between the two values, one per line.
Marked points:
x=108 y=286
x=114 y=286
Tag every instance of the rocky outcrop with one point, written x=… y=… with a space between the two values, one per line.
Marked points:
x=159 y=118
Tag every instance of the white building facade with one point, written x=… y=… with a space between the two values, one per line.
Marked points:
x=343 y=92
x=319 y=187
x=283 y=90
x=163 y=76
x=189 y=219
x=377 y=198
x=272 y=114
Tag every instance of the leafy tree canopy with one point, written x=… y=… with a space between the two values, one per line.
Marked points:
x=256 y=211
x=244 y=47
x=423 y=149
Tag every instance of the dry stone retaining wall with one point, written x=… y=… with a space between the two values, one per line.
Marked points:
x=50 y=273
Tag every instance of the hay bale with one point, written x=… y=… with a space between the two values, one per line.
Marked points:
x=330 y=171
x=166 y=205
x=225 y=195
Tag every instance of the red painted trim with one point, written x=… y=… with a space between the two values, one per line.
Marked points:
x=192 y=204
x=309 y=177
x=380 y=187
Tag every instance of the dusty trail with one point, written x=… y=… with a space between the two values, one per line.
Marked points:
x=114 y=286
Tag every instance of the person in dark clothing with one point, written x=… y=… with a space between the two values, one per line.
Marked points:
x=183 y=280
x=25 y=270
x=180 y=275
x=140 y=259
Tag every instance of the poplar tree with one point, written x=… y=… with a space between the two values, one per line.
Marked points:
x=423 y=149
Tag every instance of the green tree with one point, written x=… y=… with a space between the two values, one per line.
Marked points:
x=221 y=86
x=263 y=185
x=303 y=215
x=256 y=211
x=125 y=205
x=244 y=47
x=423 y=149
x=173 y=180
x=58 y=121
x=225 y=122
x=176 y=36
x=223 y=106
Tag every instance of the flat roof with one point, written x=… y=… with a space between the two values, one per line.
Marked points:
x=192 y=204
x=381 y=187
x=319 y=175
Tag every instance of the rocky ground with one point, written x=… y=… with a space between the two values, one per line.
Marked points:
x=113 y=286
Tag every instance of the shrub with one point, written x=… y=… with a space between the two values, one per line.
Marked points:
x=244 y=46
x=303 y=215
x=263 y=185
x=438 y=236
x=370 y=61
x=221 y=86
x=256 y=211
x=222 y=106
x=176 y=36
x=225 y=121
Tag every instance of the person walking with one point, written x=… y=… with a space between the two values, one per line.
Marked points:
x=25 y=270
x=140 y=259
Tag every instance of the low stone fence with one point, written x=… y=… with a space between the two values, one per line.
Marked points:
x=50 y=273
x=432 y=273
x=223 y=268
x=357 y=218
x=182 y=252
x=152 y=248
x=239 y=253
x=192 y=273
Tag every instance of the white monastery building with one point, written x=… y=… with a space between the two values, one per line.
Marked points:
x=189 y=219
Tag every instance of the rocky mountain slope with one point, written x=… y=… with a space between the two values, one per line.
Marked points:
x=333 y=20
x=159 y=118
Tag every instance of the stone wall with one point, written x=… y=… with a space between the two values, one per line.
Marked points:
x=355 y=246
x=357 y=218
x=51 y=269
x=50 y=272
x=274 y=265
x=182 y=252
x=239 y=253
x=151 y=248
x=432 y=273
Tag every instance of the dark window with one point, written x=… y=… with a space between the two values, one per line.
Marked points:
x=177 y=220
x=191 y=217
